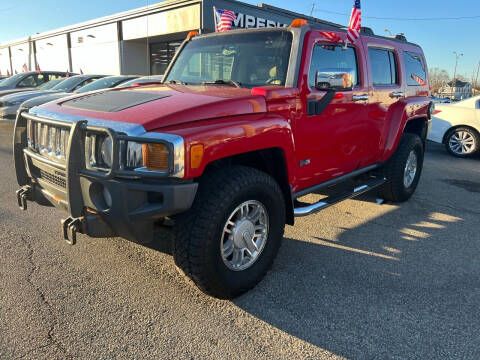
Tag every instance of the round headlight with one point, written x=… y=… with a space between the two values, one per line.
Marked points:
x=106 y=151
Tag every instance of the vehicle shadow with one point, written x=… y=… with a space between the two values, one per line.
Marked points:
x=401 y=285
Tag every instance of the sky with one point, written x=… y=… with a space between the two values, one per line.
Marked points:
x=438 y=38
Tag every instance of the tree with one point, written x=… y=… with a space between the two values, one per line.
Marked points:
x=438 y=78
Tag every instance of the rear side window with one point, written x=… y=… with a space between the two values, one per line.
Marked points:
x=415 y=69
x=383 y=65
x=332 y=57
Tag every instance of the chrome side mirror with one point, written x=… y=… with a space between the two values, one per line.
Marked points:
x=335 y=79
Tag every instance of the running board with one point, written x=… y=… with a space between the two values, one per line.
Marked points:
x=332 y=200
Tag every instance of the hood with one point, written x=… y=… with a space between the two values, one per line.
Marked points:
x=159 y=106
x=42 y=99
x=25 y=95
x=16 y=90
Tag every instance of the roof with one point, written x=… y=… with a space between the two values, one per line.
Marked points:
x=458 y=83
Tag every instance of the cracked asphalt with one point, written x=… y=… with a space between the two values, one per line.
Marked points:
x=359 y=281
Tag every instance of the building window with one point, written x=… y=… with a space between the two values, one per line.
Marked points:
x=161 y=54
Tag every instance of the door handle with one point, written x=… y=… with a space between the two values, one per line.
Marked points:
x=363 y=97
x=397 y=94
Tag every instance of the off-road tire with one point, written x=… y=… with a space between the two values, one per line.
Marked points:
x=394 y=189
x=474 y=134
x=198 y=232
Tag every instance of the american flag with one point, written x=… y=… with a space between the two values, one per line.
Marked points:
x=355 y=23
x=25 y=68
x=225 y=19
x=38 y=68
x=330 y=36
x=418 y=79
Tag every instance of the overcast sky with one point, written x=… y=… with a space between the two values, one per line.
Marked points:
x=439 y=38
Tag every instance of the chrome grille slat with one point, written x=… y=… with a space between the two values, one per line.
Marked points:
x=47 y=140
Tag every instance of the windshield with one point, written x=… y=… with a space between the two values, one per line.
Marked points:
x=104 y=83
x=142 y=80
x=249 y=60
x=12 y=80
x=50 y=84
x=68 y=84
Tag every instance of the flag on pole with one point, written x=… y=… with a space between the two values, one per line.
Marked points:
x=8 y=73
x=329 y=35
x=67 y=74
x=38 y=68
x=224 y=20
x=418 y=79
x=355 y=24
x=81 y=72
x=25 y=68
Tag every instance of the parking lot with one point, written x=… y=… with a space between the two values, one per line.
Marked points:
x=359 y=281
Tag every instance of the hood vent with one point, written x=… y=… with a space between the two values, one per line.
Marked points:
x=112 y=101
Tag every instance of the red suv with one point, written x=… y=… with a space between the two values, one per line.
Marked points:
x=245 y=124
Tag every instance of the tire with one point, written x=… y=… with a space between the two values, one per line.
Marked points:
x=397 y=188
x=463 y=142
x=200 y=233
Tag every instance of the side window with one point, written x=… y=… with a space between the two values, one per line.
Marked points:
x=332 y=57
x=383 y=66
x=54 y=76
x=29 y=81
x=415 y=69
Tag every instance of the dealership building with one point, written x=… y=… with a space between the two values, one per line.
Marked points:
x=140 y=41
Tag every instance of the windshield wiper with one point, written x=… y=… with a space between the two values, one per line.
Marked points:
x=223 y=82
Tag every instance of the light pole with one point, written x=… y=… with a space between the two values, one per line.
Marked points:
x=454 y=81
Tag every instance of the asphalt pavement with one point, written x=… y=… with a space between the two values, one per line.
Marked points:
x=359 y=280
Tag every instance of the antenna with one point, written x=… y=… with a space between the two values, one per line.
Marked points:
x=313 y=8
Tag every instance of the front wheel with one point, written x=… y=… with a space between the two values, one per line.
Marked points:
x=462 y=142
x=403 y=169
x=229 y=238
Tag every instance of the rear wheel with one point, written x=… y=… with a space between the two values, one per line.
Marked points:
x=462 y=142
x=403 y=169
x=229 y=238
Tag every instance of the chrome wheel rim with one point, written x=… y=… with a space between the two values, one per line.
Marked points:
x=462 y=142
x=410 y=169
x=244 y=235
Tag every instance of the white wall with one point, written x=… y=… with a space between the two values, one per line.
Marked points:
x=52 y=53
x=20 y=56
x=167 y=22
x=95 y=50
x=4 y=61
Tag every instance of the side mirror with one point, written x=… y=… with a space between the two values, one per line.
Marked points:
x=334 y=79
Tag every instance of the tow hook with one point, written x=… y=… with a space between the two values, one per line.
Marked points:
x=23 y=195
x=70 y=228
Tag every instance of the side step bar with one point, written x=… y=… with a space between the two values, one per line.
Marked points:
x=332 y=200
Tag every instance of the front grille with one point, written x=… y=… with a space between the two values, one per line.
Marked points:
x=50 y=141
x=53 y=179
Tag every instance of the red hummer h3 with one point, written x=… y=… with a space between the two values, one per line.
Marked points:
x=245 y=123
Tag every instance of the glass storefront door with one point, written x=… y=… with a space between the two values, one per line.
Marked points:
x=161 y=54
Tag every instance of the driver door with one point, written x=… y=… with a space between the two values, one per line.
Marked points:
x=332 y=143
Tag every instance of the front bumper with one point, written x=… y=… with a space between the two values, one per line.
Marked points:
x=102 y=205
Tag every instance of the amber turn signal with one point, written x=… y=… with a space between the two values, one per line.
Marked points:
x=155 y=157
x=196 y=156
x=298 y=23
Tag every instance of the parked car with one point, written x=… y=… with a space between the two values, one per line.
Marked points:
x=154 y=79
x=28 y=81
x=2 y=77
x=103 y=83
x=438 y=100
x=9 y=104
x=226 y=155
x=457 y=126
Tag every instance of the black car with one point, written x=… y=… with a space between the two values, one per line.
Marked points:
x=28 y=81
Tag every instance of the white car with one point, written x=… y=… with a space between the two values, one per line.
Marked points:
x=458 y=127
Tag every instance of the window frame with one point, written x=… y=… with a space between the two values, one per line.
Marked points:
x=398 y=73
x=424 y=65
x=355 y=53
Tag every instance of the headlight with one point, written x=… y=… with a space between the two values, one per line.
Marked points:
x=106 y=151
x=159 y=153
